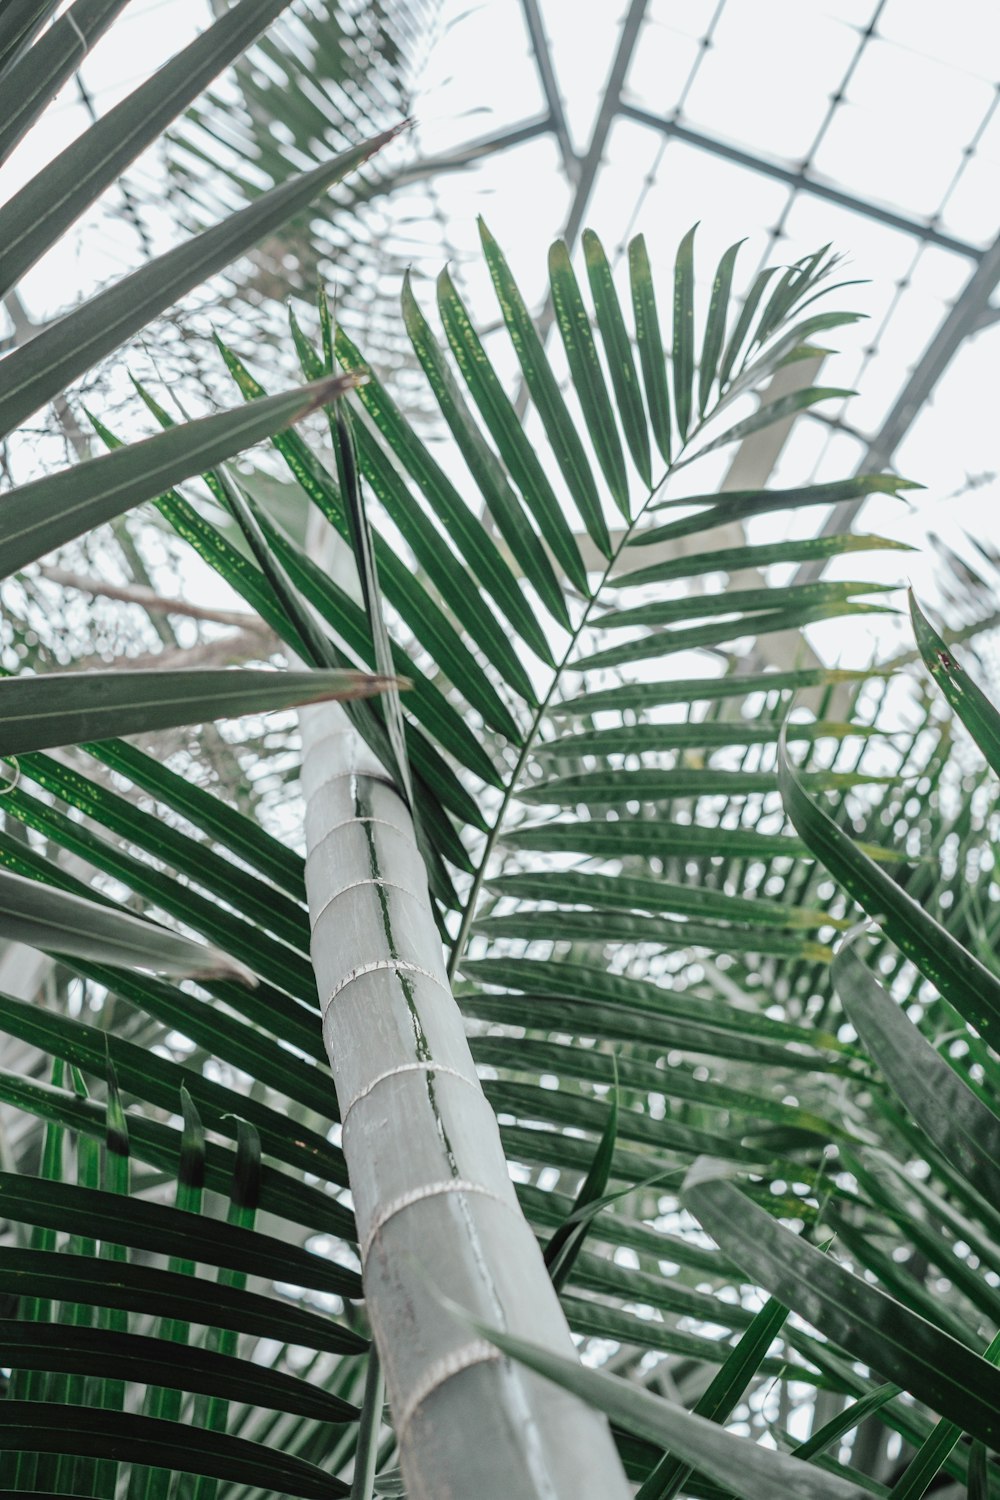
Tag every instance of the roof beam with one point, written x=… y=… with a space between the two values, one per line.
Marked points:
x=800 y=180
x=963 y=318
x=611 y=105
x=590 y=164
x=550 y=88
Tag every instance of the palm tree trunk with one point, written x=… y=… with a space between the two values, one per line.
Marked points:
x=437 y=1214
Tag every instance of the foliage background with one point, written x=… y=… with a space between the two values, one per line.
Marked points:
x=255 y=764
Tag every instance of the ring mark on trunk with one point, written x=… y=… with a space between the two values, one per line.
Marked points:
x=392 y=885
x=377 y=965
x=413 y=1067
x=417 y=1195
x=351 y=823
x=380 y=778
x=477 y=1353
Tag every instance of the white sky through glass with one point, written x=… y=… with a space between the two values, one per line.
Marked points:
x=894 y=104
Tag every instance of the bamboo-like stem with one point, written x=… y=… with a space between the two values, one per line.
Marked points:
x=436 y=1211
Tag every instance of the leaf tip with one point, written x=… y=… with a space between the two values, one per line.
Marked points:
x=328 y=390
x=220 y=966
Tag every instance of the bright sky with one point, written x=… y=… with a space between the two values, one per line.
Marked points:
x=904 y=116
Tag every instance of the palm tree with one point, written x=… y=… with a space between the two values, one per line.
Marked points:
x=614 y=964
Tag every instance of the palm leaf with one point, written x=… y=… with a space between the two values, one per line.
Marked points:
x=656 y=917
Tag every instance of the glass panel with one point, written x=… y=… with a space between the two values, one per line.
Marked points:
x=900 y=137
x=524 y=198
x=967 y=37
x=971 y=209
x=661 y=68
x=691 y=17
x=583 y=40
x=479 y=77
x=767 y=79
x=691 y=185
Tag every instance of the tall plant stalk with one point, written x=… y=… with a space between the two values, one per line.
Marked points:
x=436 y=1211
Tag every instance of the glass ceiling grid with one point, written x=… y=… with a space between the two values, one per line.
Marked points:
x=673 y=74
x=807 y=145
x=649 y=183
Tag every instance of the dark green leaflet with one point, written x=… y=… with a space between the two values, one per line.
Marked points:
x=473 y=542
x=871 y=1325
x=960 y=977
x=618 y=350
x=649 y=342
x=50 y=1427
x=486 y=469
x=683 y=342
x=573 y=322
x=541 y=382
x=130 y=1357
x=971 y=704
x=164 y=1231
x=500 y=417
x=715 y=326
x=138 y=1288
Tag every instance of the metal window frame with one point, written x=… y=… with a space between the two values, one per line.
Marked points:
x=972 y=311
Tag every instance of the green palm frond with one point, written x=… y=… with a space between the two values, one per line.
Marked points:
x=597 y=798
x=92 y=1316
x=945 y=1086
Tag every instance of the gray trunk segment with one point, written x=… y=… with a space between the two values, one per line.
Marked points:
x=436 y=1211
